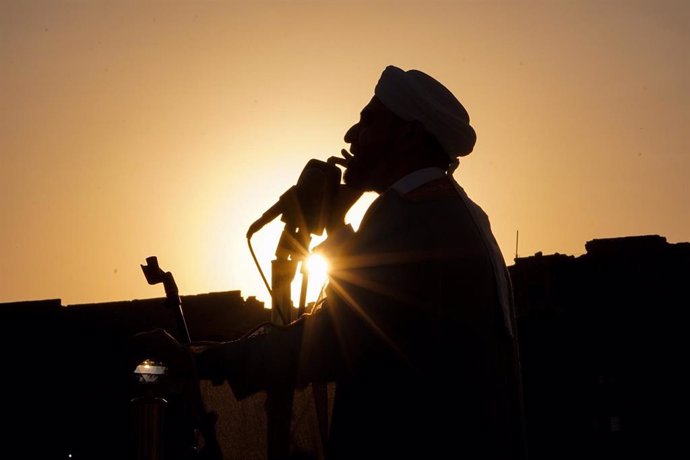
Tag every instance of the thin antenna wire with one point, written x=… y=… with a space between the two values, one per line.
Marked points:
x=261 y=272
x=517 y=240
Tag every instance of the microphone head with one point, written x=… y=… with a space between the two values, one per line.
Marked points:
x=316 y=188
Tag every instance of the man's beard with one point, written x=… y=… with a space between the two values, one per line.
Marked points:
x=357 y=175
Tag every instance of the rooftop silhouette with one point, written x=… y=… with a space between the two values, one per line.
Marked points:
x=600 y=337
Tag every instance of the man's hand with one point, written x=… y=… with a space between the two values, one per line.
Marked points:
x=216 y=361
x=344 y=199
x=158 y=345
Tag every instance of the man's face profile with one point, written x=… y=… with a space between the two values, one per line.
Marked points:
x=372 y=146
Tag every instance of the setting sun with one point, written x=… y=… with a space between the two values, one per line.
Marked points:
x=317 y=266
x=317 y=270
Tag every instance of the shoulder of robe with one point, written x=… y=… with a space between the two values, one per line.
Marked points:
x=439 y=188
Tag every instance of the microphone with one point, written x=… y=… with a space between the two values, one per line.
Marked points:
x=273 y=212
x=306 y=204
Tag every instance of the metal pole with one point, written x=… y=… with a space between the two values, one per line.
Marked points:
x=279 y=402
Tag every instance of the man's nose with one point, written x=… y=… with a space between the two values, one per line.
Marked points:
x=350 y=134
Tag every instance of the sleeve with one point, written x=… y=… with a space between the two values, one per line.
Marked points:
x=277 y=357
x=358 y=321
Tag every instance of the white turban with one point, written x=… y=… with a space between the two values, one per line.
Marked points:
x=414 y=95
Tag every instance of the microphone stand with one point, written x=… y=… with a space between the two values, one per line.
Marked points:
x=302 y=216
x=293 y=248
x=206 y=419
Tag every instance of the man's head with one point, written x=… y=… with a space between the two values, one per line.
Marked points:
x=412 y=122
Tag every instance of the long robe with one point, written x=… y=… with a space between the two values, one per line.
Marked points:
x=417 y=332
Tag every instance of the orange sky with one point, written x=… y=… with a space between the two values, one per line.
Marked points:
x=144 y=128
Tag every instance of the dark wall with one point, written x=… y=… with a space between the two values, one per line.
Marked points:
x=602 y=342
x=64 y=383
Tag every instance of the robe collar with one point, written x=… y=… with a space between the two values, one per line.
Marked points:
x=416 y=179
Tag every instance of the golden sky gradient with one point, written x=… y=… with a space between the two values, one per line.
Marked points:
x=138 y=128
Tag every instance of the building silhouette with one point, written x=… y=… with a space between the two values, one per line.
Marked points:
x=602 y=347
x=65 y=390
x=602 y=340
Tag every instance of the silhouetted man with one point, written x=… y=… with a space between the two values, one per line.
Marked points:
x=417 y=330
